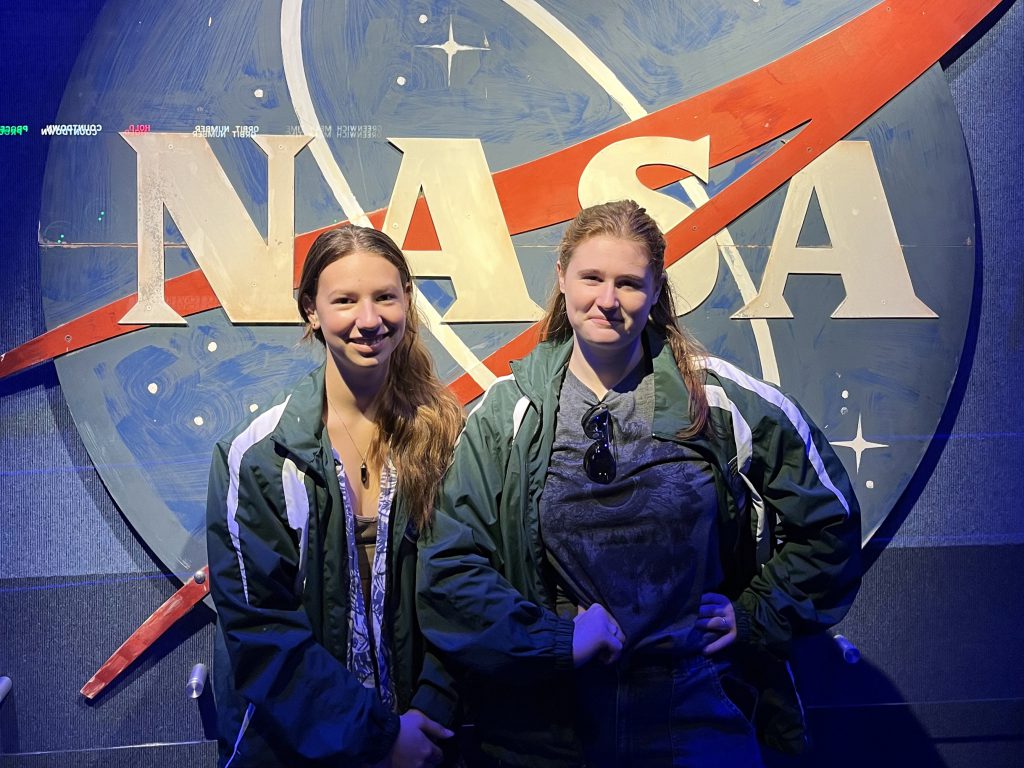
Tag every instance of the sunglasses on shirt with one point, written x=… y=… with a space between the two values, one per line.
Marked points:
x=599 y=460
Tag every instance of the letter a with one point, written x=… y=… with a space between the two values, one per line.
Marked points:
x=865 y=248
x=476 y=251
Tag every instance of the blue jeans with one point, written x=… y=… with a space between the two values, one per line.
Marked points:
x=651 y=712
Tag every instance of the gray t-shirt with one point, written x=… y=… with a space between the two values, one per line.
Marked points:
x=645 y=546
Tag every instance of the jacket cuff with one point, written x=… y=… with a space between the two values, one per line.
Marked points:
x=440 y=706
x=744 y=624
x=381 y=742
x=563 y=645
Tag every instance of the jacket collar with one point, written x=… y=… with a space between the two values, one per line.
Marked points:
x=300 y=435
x=300 y=429
x=671 y=397
x=541 y=373
x=542 y=369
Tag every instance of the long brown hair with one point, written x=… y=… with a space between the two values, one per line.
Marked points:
x=418 y=418
x=626 y=220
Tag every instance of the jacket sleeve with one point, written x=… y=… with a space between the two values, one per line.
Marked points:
x=812 y=526
x=432 y=688
x=435 y=694
x=470 y=611
x=303 y=696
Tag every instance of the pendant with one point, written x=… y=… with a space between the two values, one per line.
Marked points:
x=364 y=474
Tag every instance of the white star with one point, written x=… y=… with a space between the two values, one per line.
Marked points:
x=450 y=48
x=858 y=445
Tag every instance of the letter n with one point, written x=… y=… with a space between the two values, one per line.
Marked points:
x=251 y=277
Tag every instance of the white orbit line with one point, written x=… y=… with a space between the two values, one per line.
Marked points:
x=302 y=103
x=577 y=50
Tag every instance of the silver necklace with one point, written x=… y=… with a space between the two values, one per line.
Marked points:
x=364 y=473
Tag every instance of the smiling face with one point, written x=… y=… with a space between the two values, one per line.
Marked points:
x=609 y=289
x=360 y=309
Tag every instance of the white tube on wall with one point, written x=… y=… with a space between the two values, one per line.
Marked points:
x=196 y=681
x=851 y=654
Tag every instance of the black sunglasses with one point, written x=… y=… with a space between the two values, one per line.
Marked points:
x=599 y=460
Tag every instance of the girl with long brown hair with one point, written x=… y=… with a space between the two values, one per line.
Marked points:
x=314 y=507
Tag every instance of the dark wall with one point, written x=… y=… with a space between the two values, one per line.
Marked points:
x=938 y=621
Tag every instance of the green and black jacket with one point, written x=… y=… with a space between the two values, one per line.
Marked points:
x=789 y=545
x=279 y=574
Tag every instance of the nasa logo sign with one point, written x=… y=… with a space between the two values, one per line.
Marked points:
x=805 y=159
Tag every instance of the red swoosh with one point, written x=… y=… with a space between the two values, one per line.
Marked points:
x=830 y=86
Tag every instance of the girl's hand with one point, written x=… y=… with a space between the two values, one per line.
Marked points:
x=597 y=635
x=415 y=746
x=717 y=620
